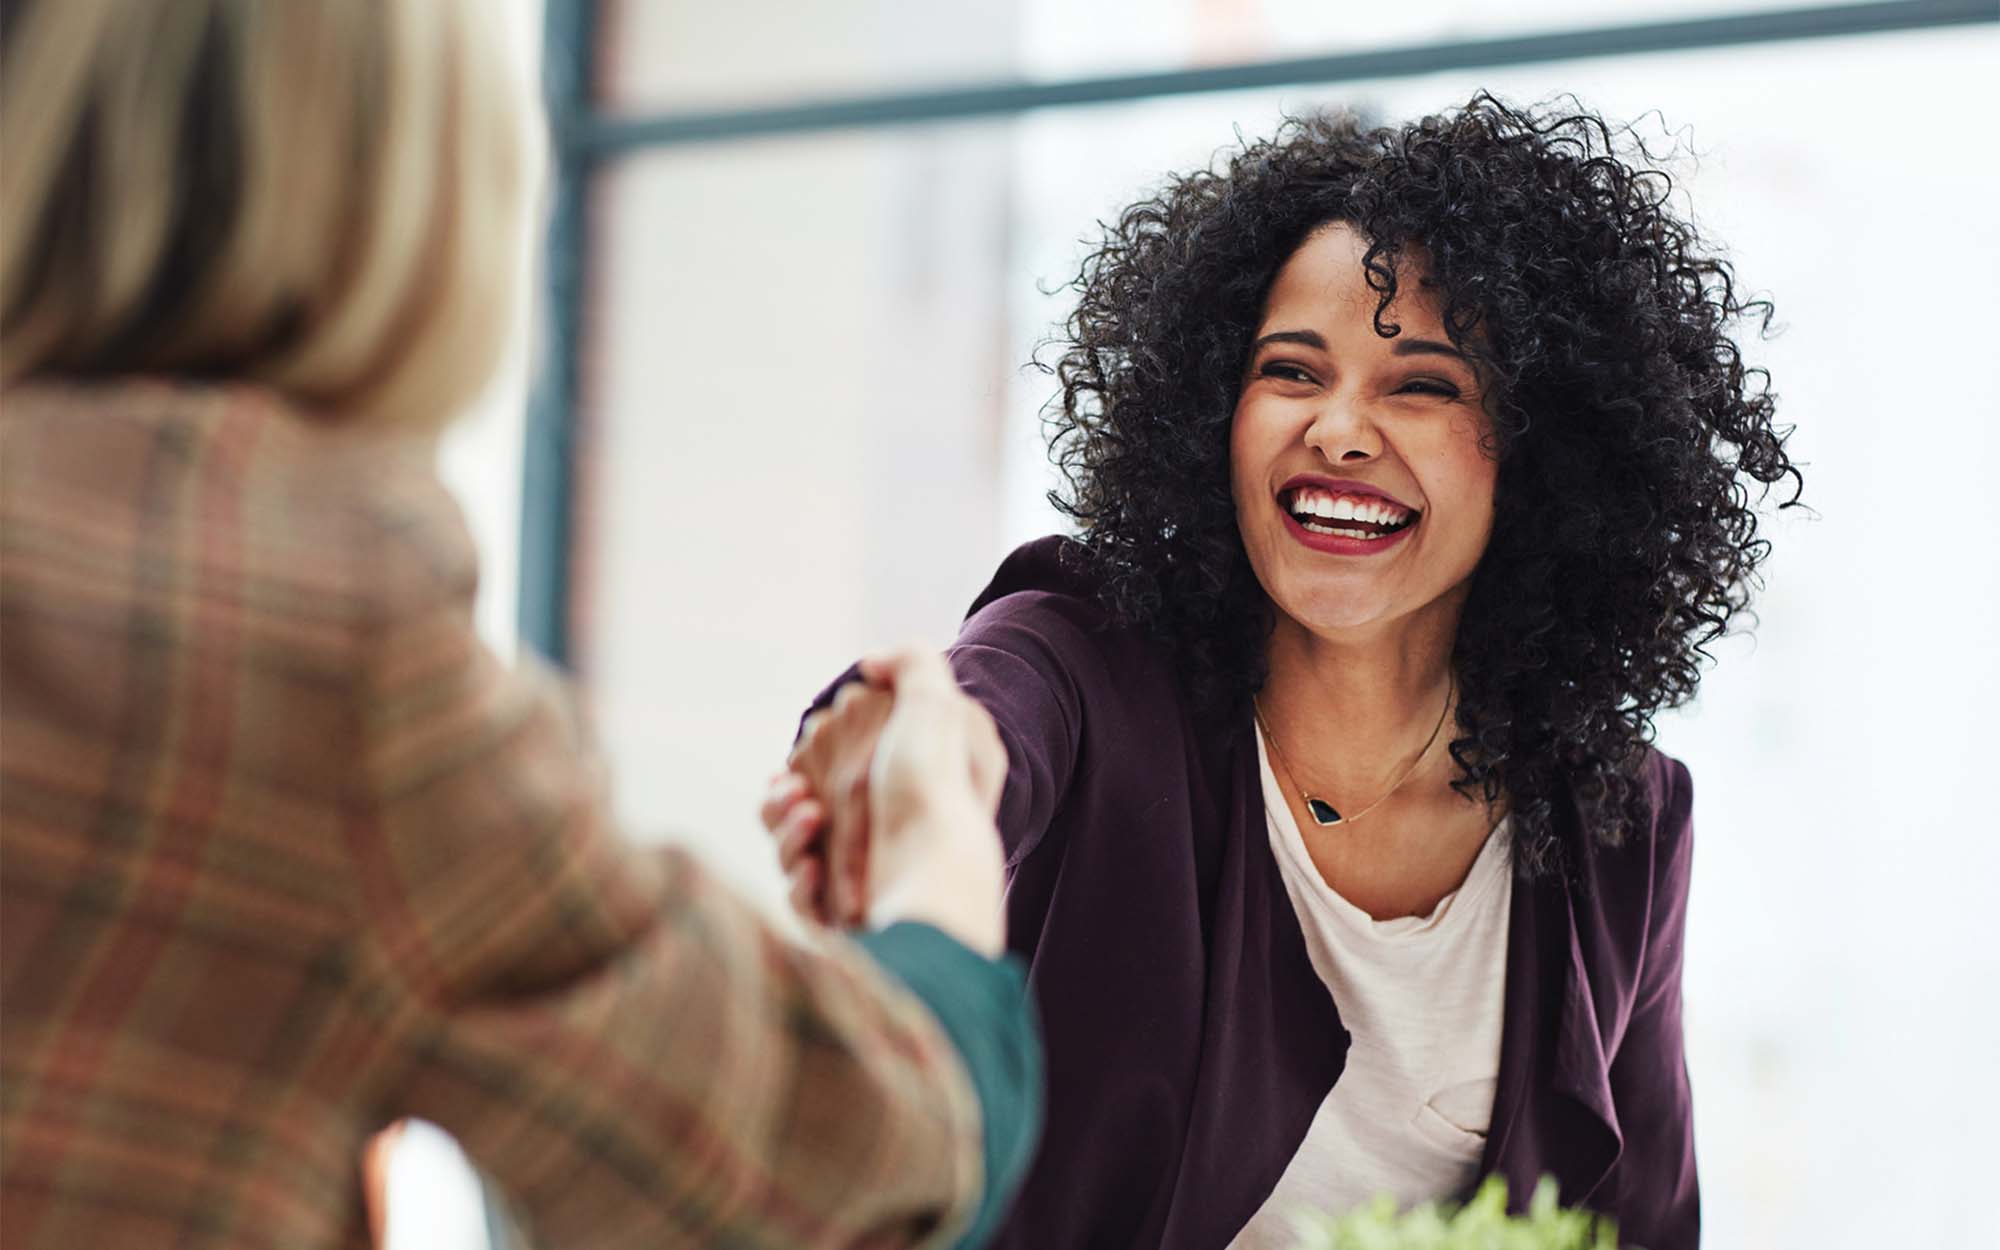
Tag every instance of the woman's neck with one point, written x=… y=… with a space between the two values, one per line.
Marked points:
x=1351 y=711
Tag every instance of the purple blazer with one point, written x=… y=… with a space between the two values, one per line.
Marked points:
x=1189 y=1040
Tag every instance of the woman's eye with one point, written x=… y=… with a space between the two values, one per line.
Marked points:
x=1288 y=372
x=1429 y=386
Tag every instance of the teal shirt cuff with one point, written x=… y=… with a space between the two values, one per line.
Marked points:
x=986 y=1010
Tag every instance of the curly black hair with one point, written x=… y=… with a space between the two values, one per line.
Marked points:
x=1626 y=426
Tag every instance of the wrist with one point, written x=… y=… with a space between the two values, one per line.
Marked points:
x=954 y=884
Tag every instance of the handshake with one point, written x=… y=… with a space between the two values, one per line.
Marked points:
x=885 y=809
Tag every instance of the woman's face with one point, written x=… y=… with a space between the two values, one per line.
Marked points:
x=1363 y=493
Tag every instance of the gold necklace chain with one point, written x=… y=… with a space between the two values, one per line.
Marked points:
x=1324 y=813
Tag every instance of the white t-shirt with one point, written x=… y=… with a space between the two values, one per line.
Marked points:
x=1423 y=997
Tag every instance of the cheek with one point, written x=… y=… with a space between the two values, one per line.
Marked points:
x=1247 y=457
x=1472 y=467
x=1473 y=493
x=1461 y=478
x=1478 y=477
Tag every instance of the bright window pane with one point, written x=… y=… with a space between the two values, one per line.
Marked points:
x=659 y=55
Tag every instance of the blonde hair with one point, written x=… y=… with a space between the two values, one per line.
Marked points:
x=324 y=196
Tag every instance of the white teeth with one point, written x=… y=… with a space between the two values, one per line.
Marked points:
x=1314 y=503
x=1340 y=531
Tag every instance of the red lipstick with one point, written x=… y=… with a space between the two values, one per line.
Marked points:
x=1341 y=544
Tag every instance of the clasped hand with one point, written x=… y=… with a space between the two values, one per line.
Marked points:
x=885 y=808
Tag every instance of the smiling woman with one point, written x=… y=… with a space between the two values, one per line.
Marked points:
x=1591 y=329
x=1413 y=467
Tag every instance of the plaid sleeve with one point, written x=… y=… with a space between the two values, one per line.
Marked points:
x=625 y=1047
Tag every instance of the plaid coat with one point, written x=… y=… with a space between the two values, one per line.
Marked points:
x=286 y=854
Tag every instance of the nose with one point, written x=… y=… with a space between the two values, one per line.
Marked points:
x=1343 y=432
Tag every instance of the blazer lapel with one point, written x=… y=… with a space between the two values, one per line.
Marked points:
x=1553 y=1112
x=1591 y=1144
x=1272 y=1040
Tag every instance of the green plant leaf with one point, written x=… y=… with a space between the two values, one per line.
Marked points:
x=1481 y=1224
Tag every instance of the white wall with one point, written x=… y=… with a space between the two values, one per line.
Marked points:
x=791 y=444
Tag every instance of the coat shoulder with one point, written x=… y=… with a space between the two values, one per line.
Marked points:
x=1044 y=603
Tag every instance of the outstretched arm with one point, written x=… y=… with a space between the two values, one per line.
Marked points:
x=627 y=1048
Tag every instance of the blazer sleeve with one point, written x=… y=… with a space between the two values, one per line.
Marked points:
x=624 y=1046
x=1659 y=1200
x=1020 y=657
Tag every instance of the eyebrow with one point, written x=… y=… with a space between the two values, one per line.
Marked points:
x=1309 y=338
x=1401 y=347
x=1425 y=347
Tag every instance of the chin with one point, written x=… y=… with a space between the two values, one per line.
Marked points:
x=1334 y=609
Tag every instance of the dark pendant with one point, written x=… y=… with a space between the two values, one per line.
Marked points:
x=1323 y=812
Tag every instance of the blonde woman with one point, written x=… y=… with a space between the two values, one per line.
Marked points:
x=285 y=854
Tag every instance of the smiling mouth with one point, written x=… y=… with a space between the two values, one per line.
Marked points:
x=1340 y=515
